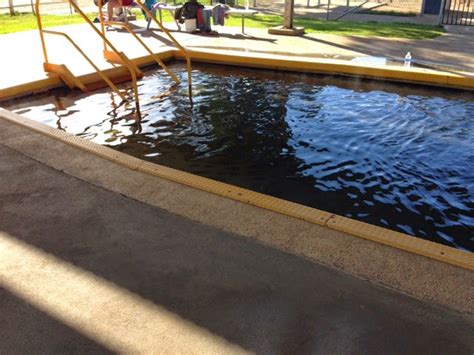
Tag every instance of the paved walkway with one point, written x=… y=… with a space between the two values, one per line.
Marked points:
x=84 y=269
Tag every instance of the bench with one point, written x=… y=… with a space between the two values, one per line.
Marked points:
x=160 y=7
x=171 y=9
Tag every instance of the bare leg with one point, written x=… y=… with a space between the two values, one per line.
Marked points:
x=110 y=8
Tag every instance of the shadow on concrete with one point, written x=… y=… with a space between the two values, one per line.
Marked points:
x=332 y=44
x=143 y=32
x=262 y=299
x=156 y=33
x=454 y=49
x=25 y=329
x=246 y=37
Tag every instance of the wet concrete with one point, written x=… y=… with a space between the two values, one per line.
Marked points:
x=254 y=296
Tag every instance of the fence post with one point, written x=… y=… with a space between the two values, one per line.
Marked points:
x=11 y=7
x=441 y=12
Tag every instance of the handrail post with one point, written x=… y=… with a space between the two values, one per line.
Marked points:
x=157 y=59
x=121 y=56
x=101 y=19
x=176 y=43
x=101 y=74
x=40 y=28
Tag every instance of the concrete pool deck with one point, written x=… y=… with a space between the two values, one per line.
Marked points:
x=58 y=228
x=172 y=269
x=23 y=64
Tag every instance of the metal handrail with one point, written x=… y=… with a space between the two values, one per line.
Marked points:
x=102 y=75
x=123 y=59
x=155 y=57
x=176 y=43
x=119 y=54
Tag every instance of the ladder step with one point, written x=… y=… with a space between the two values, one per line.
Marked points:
x=65 y=74
x=116 y=59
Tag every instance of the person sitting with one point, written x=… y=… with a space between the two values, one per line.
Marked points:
x=111 y=4
x=194 y=10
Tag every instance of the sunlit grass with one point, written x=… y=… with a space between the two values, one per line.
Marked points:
x=350 y=28
x=23 y=22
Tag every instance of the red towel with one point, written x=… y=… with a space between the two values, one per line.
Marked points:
x=199 y=17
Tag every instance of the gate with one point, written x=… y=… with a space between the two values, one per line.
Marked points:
x=432 y=7
x=458 y=12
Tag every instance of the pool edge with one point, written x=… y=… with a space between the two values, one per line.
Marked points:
x=352 y=227
x=413 y=75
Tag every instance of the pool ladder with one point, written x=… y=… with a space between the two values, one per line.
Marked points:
x=110 y=53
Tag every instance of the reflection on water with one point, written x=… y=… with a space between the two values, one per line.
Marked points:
x=401 y=158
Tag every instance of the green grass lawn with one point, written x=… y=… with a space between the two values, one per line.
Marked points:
x=349 y=28
x=387 y=13
x=23 y=22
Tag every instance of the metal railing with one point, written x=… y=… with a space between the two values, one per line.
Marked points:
x=457 y=12
x=155 y=57
x=124 y=60
x=142 y=43
x=175 y=42
x=101 y=74
x=70 y=79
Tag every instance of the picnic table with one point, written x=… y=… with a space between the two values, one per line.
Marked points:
x=244 y=13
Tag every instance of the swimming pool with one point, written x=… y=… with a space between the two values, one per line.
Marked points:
x=396 y=156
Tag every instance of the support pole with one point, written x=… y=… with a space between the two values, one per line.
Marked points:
x=441 y=12
x=288 y=14
x=40 y=30
x=11 y=7
x=287 y=28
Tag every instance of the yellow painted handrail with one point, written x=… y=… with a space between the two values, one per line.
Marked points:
x=102 y=75
x=176 y=43
x=122 y=57
x=155 y=57
x=40 y=29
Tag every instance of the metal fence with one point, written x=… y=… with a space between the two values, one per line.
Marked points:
x=458 y=12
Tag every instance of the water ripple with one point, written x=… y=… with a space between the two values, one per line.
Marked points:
x=398 y=157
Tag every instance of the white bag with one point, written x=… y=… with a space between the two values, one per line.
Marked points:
x=190 y=25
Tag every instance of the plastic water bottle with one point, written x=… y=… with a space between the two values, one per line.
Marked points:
x=407 y=61
x=246 y=4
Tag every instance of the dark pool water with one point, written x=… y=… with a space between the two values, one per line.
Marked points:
x=394 y=156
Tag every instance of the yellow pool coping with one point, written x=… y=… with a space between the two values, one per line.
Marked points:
x=413 y=75
x=278 y=62
x=350 y=226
